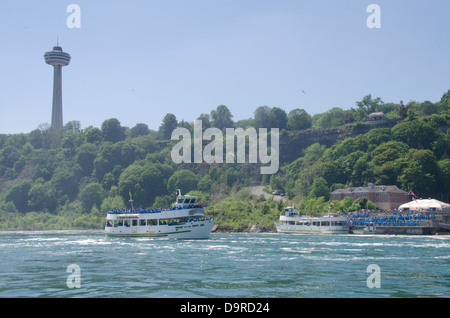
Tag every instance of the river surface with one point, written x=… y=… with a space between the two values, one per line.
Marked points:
x=90 y=265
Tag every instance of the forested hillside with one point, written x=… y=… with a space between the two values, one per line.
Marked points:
x=69 y=179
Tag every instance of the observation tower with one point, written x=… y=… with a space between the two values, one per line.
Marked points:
x=57 y=58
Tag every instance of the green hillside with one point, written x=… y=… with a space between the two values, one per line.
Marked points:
x=69 y=179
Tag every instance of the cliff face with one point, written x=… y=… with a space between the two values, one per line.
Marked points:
x=293 y=143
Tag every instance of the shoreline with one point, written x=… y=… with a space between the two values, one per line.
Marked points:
x=87 y=231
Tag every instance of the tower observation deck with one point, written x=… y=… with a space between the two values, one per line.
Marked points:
x=57 y=58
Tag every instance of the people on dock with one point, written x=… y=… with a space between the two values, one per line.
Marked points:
x=389 y=218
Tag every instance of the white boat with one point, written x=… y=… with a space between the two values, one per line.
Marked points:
x=184 y=220
x=292 y=222
x=370 y=229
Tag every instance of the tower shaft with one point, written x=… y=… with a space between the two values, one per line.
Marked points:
x=57 y=115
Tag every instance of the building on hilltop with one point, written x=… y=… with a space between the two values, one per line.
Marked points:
x=385 y=197
x=378 y=116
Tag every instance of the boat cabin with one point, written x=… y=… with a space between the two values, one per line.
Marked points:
x=186 y=201
x=290 y=211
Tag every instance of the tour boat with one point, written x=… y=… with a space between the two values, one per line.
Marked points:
x=292 y=222
x=186 y=219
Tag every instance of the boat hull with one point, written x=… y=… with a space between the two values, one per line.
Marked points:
x=303 y=229
x=192 y=230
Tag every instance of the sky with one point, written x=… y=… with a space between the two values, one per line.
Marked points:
x=139 y=60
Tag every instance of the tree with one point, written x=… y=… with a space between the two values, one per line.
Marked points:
x=444 y=174
x=332 y=118
x=93 y=135
x=388 y=151
x=168 y=125
x=262 y=117
x=18 y=194
x=369 y=104
x=36 y=139
x=8 y=156
x=42 y=197
x=184 y=179
x=91 y=195
x=222 y=117
x=278 y=118
x=85 y=157
x=65 y=181
x=320 y=189
x=139 y=130
x=444 y=103
x=298 y=119
x=112 y=130
x=206 y=122
x=420 y=173
x=73 y=125
x=362 y=172
x=145 y=182
x=164 y=201
x=429 y=108
x=362 y=204
x=416 y=134
x=345 y=204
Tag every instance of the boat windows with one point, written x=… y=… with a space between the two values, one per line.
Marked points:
x=152 y=222
x=142 y=223
x=134 y=222
x=118 y=223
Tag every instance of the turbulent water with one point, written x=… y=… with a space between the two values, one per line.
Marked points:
x=35 y=264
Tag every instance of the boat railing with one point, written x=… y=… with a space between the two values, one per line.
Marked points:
x=128 y=211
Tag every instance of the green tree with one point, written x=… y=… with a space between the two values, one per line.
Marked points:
x=145 y=182
x=206 y=121
x=320 y=189
x=262 y=117
x=278 y=118
x=42 y=197
x=362 y=172
x=139 y=130
x=222 y=117
x=85 y=157
x=112 y=130
x=416 y=134
x=428 y=108
x=444 y=175
x=66 y=181
x=345 y=204
x=8 y=156
x=168 y=125
x=420 y=173
x=164 y=201
x=184 y=179
x=444 y=103
x=18 y=195
x=93 y=135
x=332 y=118
x=91 y=195
x=388 y=151
x=370 y=104
x=298 y=119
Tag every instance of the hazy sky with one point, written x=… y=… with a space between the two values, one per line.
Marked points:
x=139 y=60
